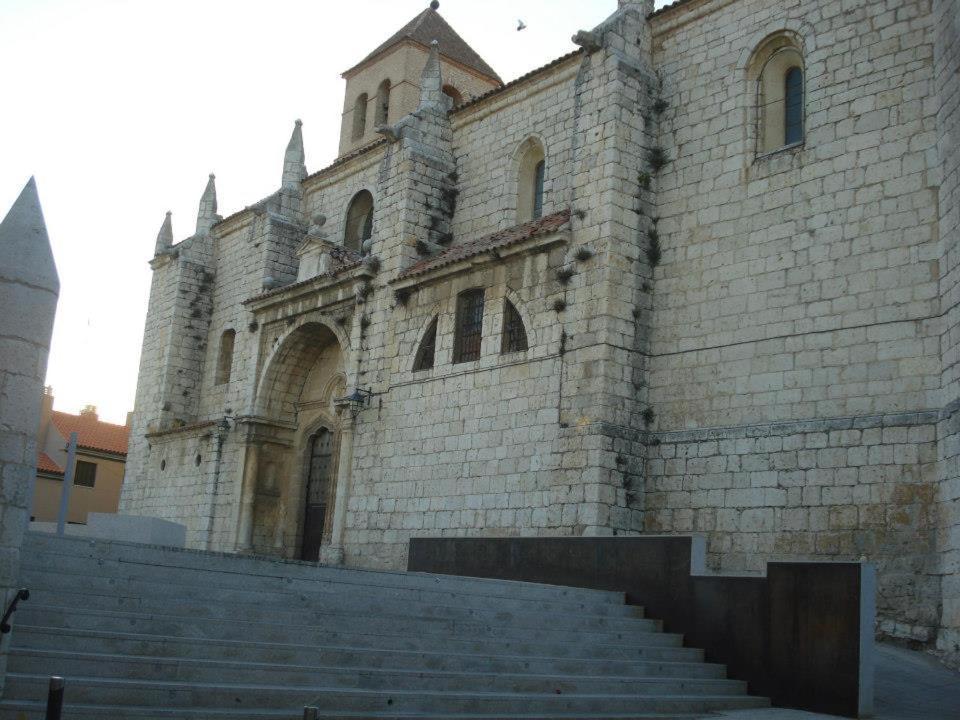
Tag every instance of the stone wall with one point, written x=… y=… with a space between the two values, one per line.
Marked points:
x=795 y=361
x=947 y=85
x=29 y=283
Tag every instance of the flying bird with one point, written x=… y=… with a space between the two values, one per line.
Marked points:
x=521 y=25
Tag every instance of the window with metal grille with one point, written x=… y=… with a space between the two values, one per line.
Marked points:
x=514 y=334
x=793 y=106
x=469 y=330
x=538 y=190
x=85 y=474
x=427 y=349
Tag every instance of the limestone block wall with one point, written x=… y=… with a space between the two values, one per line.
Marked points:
x=947 y=84
x=801 y=287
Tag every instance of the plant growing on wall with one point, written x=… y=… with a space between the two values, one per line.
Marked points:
x=559 y=305
x=583 y=254
x=649 y=416
x=654 y=252
x=658 y=158
x=564 y=275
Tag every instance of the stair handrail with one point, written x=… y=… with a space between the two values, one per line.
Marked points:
x=22 y=594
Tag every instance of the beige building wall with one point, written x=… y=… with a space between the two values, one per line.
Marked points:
x=104 y=497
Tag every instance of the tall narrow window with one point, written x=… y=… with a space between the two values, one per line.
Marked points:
x=383 y=103
x=538 y=190
x=514 y=334
x=225 y=357
x=530 y=178
x=360 y=117
x=427 y=350
x=359 y=225
x=793 y=112
x=469 y=329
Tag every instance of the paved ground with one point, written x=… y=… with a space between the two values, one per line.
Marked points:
x=909 y=686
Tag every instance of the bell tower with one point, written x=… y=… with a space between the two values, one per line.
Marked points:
x=385 y=85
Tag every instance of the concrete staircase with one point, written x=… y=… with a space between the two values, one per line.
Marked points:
x=147 y=632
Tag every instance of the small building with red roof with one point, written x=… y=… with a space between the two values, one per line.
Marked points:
x=99 y=464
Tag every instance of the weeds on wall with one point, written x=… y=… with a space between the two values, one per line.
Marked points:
x=372 y=263
x=253 y=326
x=401 y=296
x=583 y=254
x=559 y=305
x=654 y=251
x=564 y=275
x=422 y=248
x=658 y=158
x=660 y=106
x=644 y=179
x=649 y=416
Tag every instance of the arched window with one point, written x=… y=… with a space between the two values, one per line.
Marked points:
x=451 y=92
x=793 y=106
x=225 y=357
x=359 y=225
x=360 y=117
x=469 y=329
x=427 y=350
x=383 y=104
x=514 y=334
x=777 y=70
x=530 y=179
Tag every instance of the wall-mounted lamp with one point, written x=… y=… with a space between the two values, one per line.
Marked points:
x=356 y=401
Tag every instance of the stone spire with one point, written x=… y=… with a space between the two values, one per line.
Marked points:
x=165 y=236
x=207 y=215
x=431 y=81
x=25 y=254
x=294 y=169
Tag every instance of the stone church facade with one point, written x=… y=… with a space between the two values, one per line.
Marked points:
x=699 y=275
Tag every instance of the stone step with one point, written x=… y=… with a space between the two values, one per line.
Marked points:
x=309 y=610
x=63 y=553
x=69 y=665
x=655 y=698
x=26 y=710
x=56 y=568
x=398 y=634
x=498 y=660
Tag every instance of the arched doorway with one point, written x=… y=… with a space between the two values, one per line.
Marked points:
x=318 y=502
x=292 y=458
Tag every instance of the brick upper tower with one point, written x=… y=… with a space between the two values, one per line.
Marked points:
x=385 y=85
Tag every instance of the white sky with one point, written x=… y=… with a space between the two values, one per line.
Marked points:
x=121 y=108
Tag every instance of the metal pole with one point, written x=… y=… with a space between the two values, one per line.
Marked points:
x=55 y=698
x=67 y=483
x=310 y=713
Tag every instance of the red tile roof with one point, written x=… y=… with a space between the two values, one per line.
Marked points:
x=92 y=433
x=427 y=27
x=46 y=464
x=503 y=238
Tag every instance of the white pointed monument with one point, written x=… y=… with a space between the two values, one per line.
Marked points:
x=25 y=253
x=29 y=287
x=207 y=214
x=165 y=236
x=294 y=159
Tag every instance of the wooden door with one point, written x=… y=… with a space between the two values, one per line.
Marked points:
x=318 y=491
